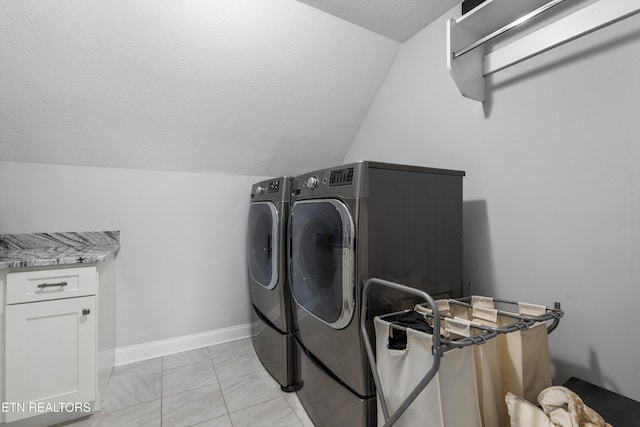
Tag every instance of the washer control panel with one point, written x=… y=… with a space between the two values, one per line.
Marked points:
x=312 y=182
x=274 y=186
x=267 y=188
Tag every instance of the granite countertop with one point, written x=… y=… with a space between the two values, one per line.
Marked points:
x=44 y=249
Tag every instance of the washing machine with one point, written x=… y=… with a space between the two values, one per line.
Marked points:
x=272 y=326
x=348 y=224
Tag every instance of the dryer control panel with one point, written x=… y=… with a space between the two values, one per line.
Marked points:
x=344 y=181
x=341 y=177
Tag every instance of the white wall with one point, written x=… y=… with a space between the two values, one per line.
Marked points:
x=552 y=192
x=181 y=268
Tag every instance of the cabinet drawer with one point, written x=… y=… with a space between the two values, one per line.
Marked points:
x=40 y=285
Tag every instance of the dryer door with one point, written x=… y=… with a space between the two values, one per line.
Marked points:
x=322 y=260
x=262 y=243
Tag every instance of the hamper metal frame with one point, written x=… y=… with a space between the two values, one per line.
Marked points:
x=440 y=345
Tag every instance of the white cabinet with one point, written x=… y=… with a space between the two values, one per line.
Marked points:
x=58 y=340
x=50 y=354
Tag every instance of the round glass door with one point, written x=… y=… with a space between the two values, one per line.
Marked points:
x=322 y=254
x=262 y=243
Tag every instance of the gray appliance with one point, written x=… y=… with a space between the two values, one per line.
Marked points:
x=270 y=293
x=350 y=223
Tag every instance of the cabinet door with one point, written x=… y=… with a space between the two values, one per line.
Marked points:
x=50 y=355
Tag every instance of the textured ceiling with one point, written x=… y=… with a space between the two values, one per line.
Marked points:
x=397 y=19
x=250 y=87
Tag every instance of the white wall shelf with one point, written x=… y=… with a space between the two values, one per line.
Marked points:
x=467 y=36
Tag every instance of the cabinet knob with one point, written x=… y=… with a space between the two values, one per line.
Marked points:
x=85 y=311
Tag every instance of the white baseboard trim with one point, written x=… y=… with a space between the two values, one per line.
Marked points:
x=150 y=350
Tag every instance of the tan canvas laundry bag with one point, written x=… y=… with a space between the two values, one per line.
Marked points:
x=449 y=400
x=524 y=354
x=526 y=370
x=493 y=410
x=522 y=362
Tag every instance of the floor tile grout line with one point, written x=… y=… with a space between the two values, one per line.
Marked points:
x=130 y=376
x=232 y=356
x=215 y=372
x=292 y=408
x=256 y=404
x=111 y=413
x=205 y=348
x=188 y=364
x=136 y=400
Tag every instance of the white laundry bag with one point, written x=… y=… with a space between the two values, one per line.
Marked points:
x=449 y=400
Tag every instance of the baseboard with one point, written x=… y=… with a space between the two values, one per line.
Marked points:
x=150 y=350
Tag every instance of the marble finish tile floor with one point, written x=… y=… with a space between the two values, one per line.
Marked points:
x=220 y=386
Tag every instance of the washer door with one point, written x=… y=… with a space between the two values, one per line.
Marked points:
x=262 y=243
x=322 y=260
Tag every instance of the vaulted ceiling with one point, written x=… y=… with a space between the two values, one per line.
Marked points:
x=248 y=87
x=397 y=19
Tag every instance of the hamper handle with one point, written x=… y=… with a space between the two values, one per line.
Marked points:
x=390 y=419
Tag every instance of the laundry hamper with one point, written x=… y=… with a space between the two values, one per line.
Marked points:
x=444 y=395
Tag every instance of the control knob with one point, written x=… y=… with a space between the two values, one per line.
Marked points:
x=260 y=189
x=312 y=182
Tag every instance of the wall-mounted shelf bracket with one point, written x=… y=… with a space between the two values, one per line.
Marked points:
x=466 y=37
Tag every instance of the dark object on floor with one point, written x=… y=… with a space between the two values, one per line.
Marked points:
x=617 y=410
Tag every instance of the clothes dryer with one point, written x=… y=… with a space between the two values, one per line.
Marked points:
x=270 y=293
x=348 y=224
